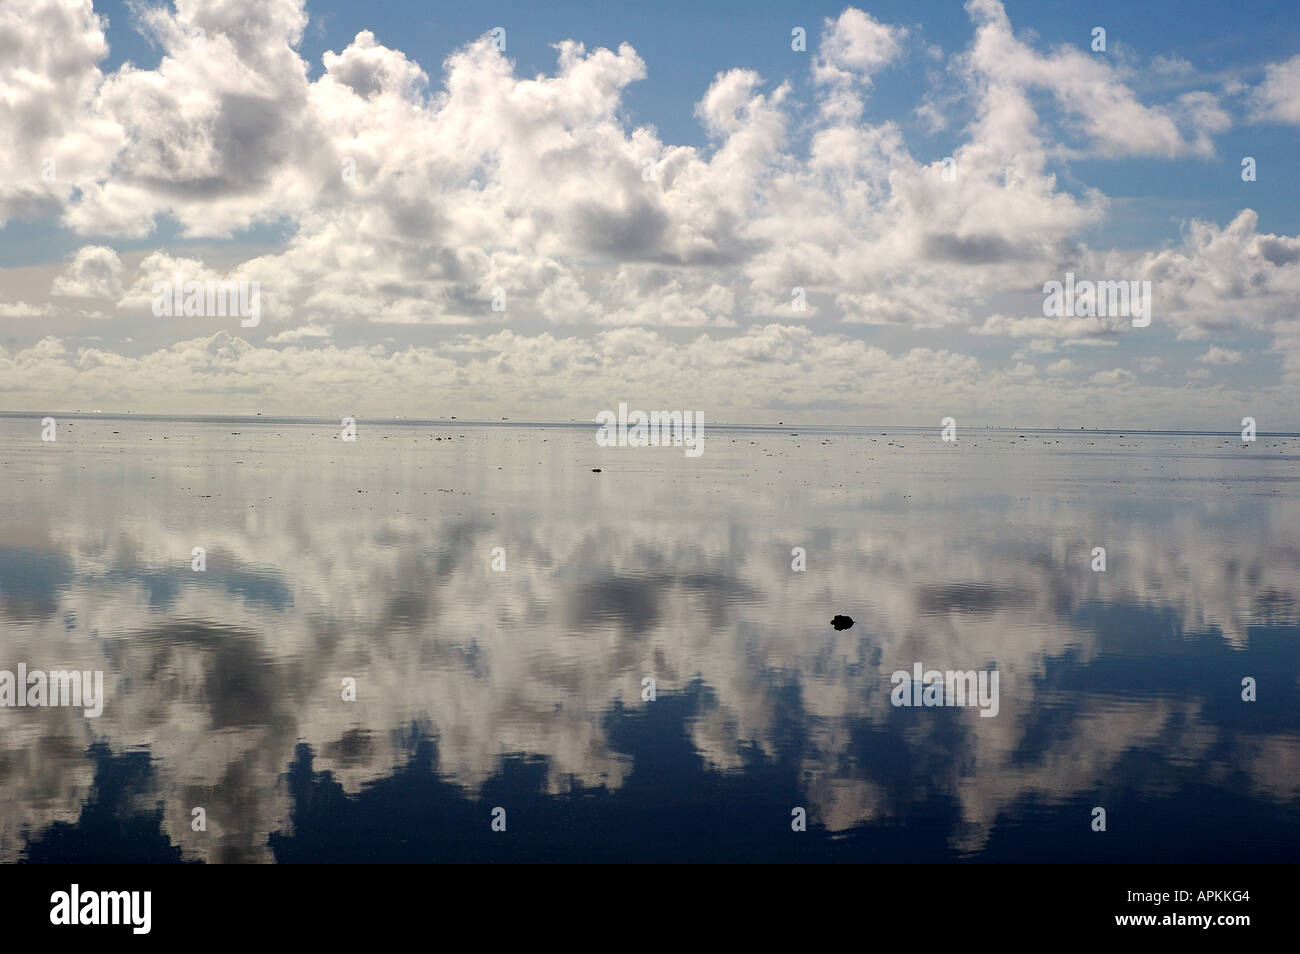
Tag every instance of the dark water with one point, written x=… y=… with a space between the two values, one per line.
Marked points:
x=522 y=689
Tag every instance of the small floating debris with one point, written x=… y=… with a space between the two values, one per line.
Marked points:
x=595 y=470
x=842 y=622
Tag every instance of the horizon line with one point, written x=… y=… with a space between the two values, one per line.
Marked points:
x=509 y=422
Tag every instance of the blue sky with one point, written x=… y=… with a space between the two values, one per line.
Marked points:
x=824 y=172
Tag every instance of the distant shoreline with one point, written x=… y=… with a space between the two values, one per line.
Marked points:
x=281 y=420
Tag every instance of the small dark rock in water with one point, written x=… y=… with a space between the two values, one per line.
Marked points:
x=595 y=470
x=842 y=622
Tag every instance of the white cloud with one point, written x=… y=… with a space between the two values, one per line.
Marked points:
x=1277 y=98
x=95 y=272
x=300 y=334
x=853 y=48
x=1226 y=278
x=22 y=309
x=1217 y=355
x=55 y=140
x=1091 y=91
x=1116 y=377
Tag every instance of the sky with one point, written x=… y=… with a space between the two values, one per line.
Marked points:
x=758 y=211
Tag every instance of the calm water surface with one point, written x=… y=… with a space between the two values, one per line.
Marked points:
x=523 y=688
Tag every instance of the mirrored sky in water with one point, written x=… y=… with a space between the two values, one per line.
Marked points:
x=523 y=688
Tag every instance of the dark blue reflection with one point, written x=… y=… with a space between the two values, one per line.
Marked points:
x=670 y=808
x=110 y=829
